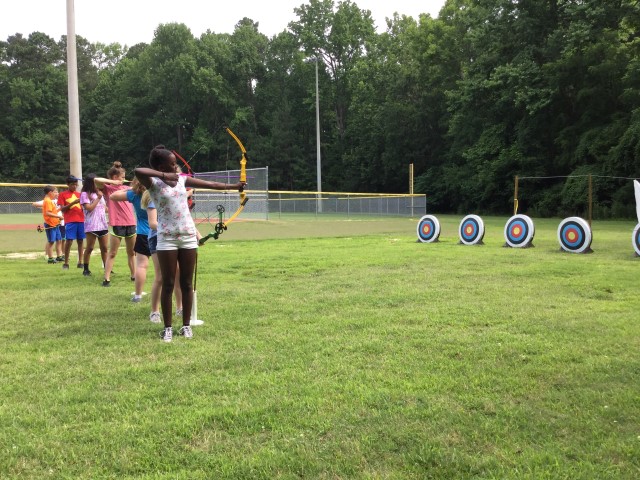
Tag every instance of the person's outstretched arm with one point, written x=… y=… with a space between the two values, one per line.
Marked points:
x=199 y=183
x=144 y=176
x=101 y=182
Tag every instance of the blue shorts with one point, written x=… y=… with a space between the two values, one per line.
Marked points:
x=53 y=233
x=75 y=231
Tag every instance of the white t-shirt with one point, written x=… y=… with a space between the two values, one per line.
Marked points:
x=174 y=217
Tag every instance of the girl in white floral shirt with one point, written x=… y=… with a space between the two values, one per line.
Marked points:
x=177 y=241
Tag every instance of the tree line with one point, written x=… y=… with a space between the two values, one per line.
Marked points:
x=489 y=90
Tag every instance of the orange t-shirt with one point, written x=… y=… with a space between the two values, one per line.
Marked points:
x=49 y=205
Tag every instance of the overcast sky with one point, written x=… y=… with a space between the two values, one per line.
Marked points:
x=133 y=21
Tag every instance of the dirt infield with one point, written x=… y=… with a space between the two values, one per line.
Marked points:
x=18 y=226
x=25 y=255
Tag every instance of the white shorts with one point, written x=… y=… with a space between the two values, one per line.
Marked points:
x=182 y=242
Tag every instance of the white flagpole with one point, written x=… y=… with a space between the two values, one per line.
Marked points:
x=75 y=157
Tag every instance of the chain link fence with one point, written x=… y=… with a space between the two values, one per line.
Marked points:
x=340 y=203
x=263 y=203
x=18 y=197
x=207 y=201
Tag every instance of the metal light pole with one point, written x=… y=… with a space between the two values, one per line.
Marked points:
x=75 y=157
x=318 y=159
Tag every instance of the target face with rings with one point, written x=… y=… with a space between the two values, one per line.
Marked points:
x=519 y=231
x=574 y=235
x=471 y=230
x=635 y=240
x=428 y=229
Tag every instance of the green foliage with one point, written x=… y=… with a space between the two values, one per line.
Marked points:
x=489 y=90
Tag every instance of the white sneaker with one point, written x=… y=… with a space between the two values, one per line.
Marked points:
x=186 y=332
x=196 y=322
x=154 y=317
x=178 y=312
x=166 y=334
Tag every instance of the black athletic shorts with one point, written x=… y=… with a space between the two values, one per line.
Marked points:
x=124 y=232
x=142 y=246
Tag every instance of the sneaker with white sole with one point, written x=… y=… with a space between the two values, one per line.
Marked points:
x=178 y=312
x=154 y=317
x=166 y=334
x=186 y=332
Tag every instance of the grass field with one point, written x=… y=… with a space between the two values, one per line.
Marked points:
x=332 y=348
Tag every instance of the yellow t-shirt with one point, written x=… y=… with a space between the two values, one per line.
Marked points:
x=49 y=205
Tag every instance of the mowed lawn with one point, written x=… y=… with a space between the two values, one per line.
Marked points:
x=333 y=349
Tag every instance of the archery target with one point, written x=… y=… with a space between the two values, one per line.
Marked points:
x=519 y=231
x=636 y=189
x=471 y=230
x=574 y=235
x=635 y=240
x=428 y=229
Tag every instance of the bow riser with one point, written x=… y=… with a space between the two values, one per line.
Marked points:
x=221 y=226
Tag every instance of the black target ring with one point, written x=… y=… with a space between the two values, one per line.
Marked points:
x=519 y=231
x=471 y=230
x=574 y=235
x=428 y=229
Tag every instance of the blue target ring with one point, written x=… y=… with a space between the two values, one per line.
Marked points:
x=428 y=229
x=574 y=235
x=471 y=230
x=519 y=231
x=635 y=239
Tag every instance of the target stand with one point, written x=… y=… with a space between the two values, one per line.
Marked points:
x=635 y=240
x=471 y=230
x=518 y=232
x=574 y=235
x=428 y=229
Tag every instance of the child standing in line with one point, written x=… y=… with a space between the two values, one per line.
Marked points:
x=177 y=238
x=52 y=218
x=121 y=218
x=95 y=221
x=60 y=257
x=141 y=247
x=69 y=203
x=152 y=215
